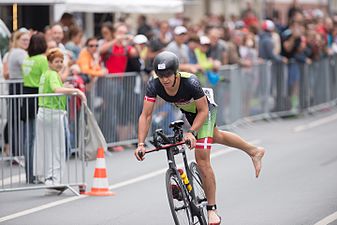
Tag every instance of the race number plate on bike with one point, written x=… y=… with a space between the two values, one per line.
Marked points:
x=209 y=94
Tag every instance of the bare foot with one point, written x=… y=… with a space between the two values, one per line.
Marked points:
x=257 y=158
x=213 y=218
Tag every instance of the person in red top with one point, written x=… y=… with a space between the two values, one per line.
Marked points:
x=115 y=55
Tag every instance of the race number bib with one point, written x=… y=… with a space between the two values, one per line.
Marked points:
x=209 y=94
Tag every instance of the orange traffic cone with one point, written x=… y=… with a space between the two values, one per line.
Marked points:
x=100 y=185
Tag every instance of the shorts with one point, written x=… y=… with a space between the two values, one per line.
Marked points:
x=207 y=128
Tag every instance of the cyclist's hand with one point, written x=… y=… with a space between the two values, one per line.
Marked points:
x=190 y=137
x=139 y=153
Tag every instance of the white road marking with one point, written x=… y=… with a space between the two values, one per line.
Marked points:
x=327 y=220
x=147 y=176
x=316 y=123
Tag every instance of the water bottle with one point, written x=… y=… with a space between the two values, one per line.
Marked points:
x=185 y=179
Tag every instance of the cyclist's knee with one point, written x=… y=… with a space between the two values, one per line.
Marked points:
x=203 y=151
x=204 y=144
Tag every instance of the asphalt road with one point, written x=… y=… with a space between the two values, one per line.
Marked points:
x=297 y=185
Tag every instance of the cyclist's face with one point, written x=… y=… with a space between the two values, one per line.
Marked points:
x=167 y=81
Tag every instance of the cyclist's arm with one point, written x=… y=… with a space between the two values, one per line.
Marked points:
x=145 y=121
x=202 y=109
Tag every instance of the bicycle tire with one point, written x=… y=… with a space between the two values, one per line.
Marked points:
x=199 y=192
x=179 y=203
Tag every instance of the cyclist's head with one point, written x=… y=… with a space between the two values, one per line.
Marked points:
x=166 y=64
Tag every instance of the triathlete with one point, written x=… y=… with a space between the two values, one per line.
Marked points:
x=184 y=90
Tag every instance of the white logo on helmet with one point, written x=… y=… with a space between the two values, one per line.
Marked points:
x=161 y=66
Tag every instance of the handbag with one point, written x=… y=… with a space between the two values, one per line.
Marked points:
x=91 y=136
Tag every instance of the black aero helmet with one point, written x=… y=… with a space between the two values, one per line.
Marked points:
x=165 y=64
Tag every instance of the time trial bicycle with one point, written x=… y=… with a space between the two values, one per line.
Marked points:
x=185 y=192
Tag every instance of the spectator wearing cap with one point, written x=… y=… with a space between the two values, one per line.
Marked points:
x=208 y=65
x=267 y=43
x=178 y=47
x=140 y=42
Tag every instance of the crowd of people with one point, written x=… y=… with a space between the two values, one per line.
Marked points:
x=202 y=48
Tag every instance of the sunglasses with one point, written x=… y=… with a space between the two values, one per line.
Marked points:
x=92 y=46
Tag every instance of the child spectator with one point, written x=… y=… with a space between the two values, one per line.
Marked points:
x=50 y=137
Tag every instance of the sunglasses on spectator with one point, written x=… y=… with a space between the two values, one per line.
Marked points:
x=92 y=46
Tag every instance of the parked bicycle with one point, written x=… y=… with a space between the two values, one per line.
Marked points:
x=185 y=192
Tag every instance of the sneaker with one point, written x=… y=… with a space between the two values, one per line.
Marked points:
x=176 y=192
x=53 y=190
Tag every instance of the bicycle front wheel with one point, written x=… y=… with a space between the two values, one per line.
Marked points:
x=199 y=193
x=177 y=198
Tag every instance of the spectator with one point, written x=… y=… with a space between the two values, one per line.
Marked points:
x=48 y=33
x=57 y=36
x=140 y=41
x=293 y=10
x=291 y=41
x=217 y=49
x=50 y=137
x=233 y=40
x=74 y=44
x=67 y=22
x=157 y=43
x=164 y=36
x=179 y=48
x=15 y=59
x=5 y=72
x=143 y=27
x=51 y=44
x=107 y=32
x=249 y=16
x=267 y=44
x=192 y=44
x=208 y=65
x=32 y=68
x=88 y=59
x=116 y=54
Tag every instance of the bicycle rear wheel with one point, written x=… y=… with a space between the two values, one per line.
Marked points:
x=199 y=192
x=177 y=198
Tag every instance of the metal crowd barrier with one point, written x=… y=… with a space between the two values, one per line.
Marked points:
x=116 y=101
x=262 y=91
x=259 y=92
x=42 y=148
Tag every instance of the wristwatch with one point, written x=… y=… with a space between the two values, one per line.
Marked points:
x=195 y=134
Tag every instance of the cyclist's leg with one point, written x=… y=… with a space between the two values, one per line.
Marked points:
x=234 y=140
x=202 y=155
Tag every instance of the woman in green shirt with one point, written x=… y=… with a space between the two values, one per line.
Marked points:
x=50 y=125
x=32 y=69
